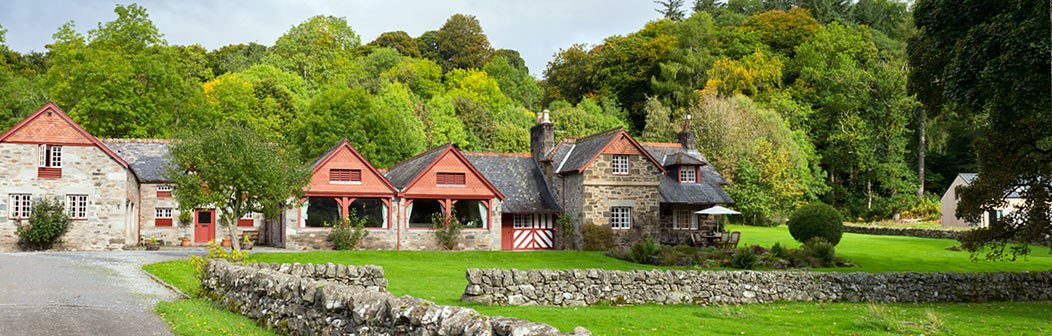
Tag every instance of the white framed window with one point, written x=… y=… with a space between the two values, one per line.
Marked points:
x=621 y=218
x=20 y=206
x=522 y=221
x=684 y=220
x=77 y=206
x=49 y=156
x=164 y=187
x=620 y=165
x=163 y=213
x=688 y=174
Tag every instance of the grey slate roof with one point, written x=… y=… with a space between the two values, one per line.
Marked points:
x=404 y=172
x=517 y=177
x=582 y=150
x=970 y=177
x=147 y=157
x=709 y=188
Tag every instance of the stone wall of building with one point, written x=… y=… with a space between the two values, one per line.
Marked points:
x=638 y=190
x=298 y=237
x=296 y=305
x=168 y=235
x=580 y=287
x=86 y=170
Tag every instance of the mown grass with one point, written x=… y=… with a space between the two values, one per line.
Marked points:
x=201 y=317
x=439 y=276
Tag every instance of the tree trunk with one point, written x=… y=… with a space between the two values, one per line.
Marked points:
x=234 y=242
x=922 y=117
x=869 y=194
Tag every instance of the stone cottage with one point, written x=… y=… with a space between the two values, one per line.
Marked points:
x=117 y=194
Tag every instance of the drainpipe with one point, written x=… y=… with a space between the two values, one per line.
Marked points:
x=138 y=218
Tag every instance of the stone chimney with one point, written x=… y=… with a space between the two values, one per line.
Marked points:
x=542 y=136
x=687 y=137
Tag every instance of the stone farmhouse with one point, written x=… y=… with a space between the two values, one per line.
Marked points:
x=115 y=191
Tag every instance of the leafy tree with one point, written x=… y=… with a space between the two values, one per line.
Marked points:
x=378 y=127
x=567 y=76
x=659 y=126
x=427 y=43
x=397 y=40
x=754 y=74
x=670 y=9
x=21 y=90
x=781 y=30
x=257 y=98
x=478 y=86
x=442 y=124
x=991 y=62
x=713 y=7
x=513 y=58
x=123 y=81
x=515 y=82
x=624 y=66
x=423 y=76
x=319 y=50
x=235 y=57
x=461 y=43
x=581 y=120
x=684 y=69
x=235 y=170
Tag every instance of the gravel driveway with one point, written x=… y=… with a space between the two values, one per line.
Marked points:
x=82 y=293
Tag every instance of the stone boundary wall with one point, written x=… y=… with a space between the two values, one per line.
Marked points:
x=368 y=276
x=579 y=287
x=297 y=305
x=911 y=232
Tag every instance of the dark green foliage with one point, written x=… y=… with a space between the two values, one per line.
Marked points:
x=643 y=251
x=779 y=251
x=821 y=249
x=568 y=231
x=348 y=232
x=397 y=40
x=447 y=230
x=597 y=238
x=816 y=220
x=47 y=223
x=744 y=258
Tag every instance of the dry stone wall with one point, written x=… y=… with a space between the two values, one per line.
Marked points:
x=368 y=276
x=579 y=287
x=299 y=305
x=911 y=232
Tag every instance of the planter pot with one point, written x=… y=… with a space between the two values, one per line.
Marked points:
x=186 y=242
x=226 y=241
x=246 y=246
x=153 y=246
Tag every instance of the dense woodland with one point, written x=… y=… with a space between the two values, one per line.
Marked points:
x=793 y=100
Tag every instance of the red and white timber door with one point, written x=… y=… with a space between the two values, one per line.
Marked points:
x=528 y=232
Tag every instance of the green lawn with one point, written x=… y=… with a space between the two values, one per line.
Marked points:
x=439 y=276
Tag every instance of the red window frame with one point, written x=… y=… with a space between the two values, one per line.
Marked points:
x=164 y=191
x=246 y=222
x=457 y=179
x=688 y=168
x=161 y=219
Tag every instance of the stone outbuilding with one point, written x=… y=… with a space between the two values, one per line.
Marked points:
x=948 y=204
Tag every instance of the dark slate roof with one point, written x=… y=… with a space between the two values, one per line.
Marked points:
x=968 y=177
x=147 y=157
x=404 y=172
x=582 y=150
x=708 y=190
x=519 y=178
x=672 y=191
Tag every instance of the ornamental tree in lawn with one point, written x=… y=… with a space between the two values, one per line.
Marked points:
x=235 y=170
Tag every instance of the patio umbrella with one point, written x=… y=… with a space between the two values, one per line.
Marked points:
x=718 y=210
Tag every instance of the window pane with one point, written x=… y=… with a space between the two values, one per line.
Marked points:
x=321 y=210
x=469 y=214
x=423 y=209
x=372 y=209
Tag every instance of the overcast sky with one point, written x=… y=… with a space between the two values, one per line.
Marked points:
x=536 y=28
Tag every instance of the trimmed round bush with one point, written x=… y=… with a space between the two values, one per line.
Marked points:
x=816 y=220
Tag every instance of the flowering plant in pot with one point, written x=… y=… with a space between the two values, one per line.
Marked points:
x=153 y=245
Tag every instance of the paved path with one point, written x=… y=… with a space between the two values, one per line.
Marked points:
x=82 y=293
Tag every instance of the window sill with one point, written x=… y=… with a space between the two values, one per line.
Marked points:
x=450 y=185
x=345 y=182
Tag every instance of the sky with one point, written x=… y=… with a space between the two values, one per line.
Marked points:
x=536 y=28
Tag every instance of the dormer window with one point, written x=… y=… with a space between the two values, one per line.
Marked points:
x=345 y=176
x=450 y=179
x=620 y=165
x=688 y=174
x=49 y=161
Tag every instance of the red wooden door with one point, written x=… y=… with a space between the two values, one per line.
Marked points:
x=506 y=231
x=204 y=226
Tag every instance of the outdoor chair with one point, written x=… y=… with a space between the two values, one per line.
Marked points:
x=733 y=242
x=695 y=240
x=722 y=240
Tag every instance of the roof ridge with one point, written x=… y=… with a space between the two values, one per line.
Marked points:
x=661 y=144
x=596 y=135
x=392 y=167
x=504 y=154
x=135 y=140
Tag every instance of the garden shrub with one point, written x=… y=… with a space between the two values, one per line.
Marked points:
x=348 y=232
x=744 y=258
x=779 y=251
x=447 y=230
x=816 y=220
x=822 y=250
x=215 y=251
x=641 y=252
x=597 y=238
x=47 y=223
x=568 y=230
